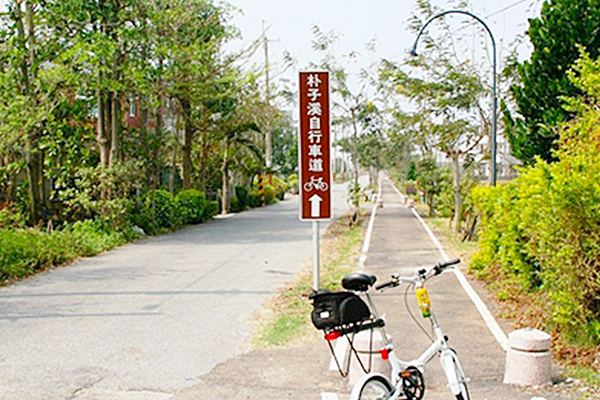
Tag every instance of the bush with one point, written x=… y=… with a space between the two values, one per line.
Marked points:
x=270 y=194
x=212 y=209
x=281 y=187
x=91 y=237
x=157 y=211
x=26 y=251
x=542 y=230
x=10 y=217
x=191 y=205
x=254 y=199
x=19 y=253
x=292 y=183
x=242 y=195
x=235 y=205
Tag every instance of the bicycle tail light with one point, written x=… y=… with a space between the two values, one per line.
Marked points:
x=329 y=336
x=385 y=354
x=423 y=299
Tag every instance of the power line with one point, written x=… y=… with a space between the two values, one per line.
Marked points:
x=506 y=8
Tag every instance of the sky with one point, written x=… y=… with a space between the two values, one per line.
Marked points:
x=385 y=22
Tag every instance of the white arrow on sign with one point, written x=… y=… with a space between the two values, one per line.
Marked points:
x=315 y=206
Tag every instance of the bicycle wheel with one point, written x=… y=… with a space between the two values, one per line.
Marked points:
x=460 y=377
x=375 y=388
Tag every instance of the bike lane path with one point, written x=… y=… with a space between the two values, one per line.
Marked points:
x=401 y=244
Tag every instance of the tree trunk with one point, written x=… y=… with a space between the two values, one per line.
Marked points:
x=356 y=197
x=33 y=155
x=202 y=160
x=188 y=136
x=115 y=131
x=157 y=149
x=101 y=139
x=34 y=172
x=355 y=156
x=225 y=182
x=457 y=195
x=173 y=170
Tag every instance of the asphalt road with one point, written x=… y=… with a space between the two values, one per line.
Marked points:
x=145 y=320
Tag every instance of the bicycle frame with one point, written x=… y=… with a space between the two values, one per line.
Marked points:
x=439 y=346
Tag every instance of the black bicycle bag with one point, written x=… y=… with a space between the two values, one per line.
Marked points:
x=337 y=309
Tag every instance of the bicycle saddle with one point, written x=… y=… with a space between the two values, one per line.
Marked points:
x=358 y=282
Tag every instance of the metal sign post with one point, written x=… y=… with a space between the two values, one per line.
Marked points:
x=316 y=256
x=314 y=152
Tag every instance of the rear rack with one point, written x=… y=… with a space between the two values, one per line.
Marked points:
x=350 y=332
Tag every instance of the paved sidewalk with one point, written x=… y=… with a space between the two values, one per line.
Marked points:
x=399 y=244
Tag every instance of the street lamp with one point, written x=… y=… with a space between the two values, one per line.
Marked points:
x=413 y=52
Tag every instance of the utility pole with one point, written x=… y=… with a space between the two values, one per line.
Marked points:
x=268 y=139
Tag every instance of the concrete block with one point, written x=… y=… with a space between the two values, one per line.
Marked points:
x=528 y=360
x=362 y=345
x=531 y=340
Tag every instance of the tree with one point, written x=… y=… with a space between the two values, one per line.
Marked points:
x=348 y=103
x=448 y=112
x=449 y=96
x=71 y=71
x=234 y=137
x=32 y=86
x=542 y=81
x=431 y=180
x=285 y=144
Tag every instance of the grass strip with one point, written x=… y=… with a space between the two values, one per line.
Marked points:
x=286 y=318
x=25 y=252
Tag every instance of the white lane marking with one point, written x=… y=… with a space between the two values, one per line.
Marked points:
x=341 y=350
x=362 y=259
x=487 y=316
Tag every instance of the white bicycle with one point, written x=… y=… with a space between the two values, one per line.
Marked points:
x=350 y=317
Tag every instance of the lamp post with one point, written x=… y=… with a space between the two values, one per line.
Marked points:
x=413 y=52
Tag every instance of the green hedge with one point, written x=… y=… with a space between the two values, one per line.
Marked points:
x=541 y=231
x=190 y=206
x=26 y=251
x=242 y=199
x=212 y=208
x=157 y=212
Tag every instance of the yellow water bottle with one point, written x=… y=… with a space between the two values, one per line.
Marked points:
x=423 y=299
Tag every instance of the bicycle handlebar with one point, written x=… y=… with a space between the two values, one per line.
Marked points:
x=442 y=266
x=392 y=283
x=421 y=275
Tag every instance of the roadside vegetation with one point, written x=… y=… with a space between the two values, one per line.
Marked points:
x=286 y=318
x=25 y=251
x=120 y=119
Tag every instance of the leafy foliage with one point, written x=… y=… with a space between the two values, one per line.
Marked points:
x=103 y=101
x=190 y=206
x=157 y=211
x=542 y=230
x=555 y=35
x=26 y=251
x=432 y=180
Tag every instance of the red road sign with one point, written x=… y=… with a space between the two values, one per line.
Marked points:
x=314 y=147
